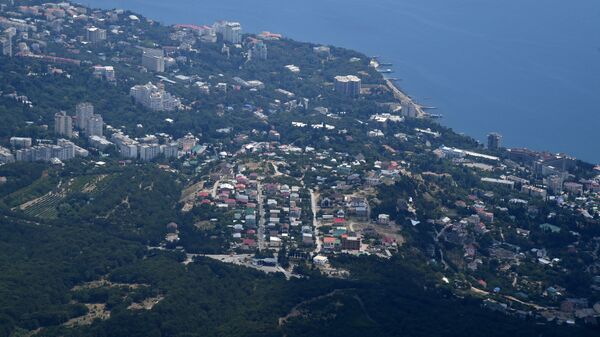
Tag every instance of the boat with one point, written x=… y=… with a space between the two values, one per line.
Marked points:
x=385 y=71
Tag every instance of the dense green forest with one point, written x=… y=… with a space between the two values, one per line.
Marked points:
x=207 y=298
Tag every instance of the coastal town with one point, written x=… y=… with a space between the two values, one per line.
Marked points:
x=307 y=161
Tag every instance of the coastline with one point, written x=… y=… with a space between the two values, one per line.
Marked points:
x=414 y=109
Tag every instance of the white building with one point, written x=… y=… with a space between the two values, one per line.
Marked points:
x=63 y=124
x=154 y=97
x=94 y=126
x=127 y=146
x=83 y=112
x=170 y=150
x=232 y=32
x=149 y=151
x=22 y=142
x=63 y=150
x=99 y=142
x=320 y=260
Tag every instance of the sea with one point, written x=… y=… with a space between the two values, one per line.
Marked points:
x=527 y=69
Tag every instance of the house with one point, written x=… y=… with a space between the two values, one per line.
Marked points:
x=329 y=243
x=248 y=244
x=320 y=260
x=274 y=241
x=251 y=220
x=383 y=219
x=307 y=239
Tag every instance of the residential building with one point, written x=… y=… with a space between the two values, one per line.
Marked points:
x=154 y=97
x=63 y=124
x=170 y=150
x=127 y=146
x=20 y=142
x=494 y=141
x=95 y=34
x=320 y=260
x=153 y=60
x=574 y=188
x=534 y=191
x=6 y=156
x=94 y=126
x=383 y=219
x=83 y=112
x=63 y=150
x=99 y=142
x=149 y=151
x=6 y=46
x=258 y=51
x=322 y=51
x=554 y=183
x=232 y=32
x=351 y=243
x=349 y=85
x=187 y=142
x=105 y=72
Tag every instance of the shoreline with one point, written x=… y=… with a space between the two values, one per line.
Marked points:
x=414 y=109
x=409 y=105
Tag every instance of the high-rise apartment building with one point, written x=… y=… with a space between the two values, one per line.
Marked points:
x=153 y=60
x=349 y=85
x=83 y=112
x=149 y=151
x=63 y=124
x=494 y=141
x=259 y=51
x=232 y=32
x=94 y=126
x=95 y=34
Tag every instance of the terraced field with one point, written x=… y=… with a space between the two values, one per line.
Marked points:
x=46 y=205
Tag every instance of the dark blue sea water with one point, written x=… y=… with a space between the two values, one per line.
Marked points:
x=528 y=69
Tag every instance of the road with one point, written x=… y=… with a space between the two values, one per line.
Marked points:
x=213 y=191
x=260 y=233
x=511 y=298
x=246 y=260
x=436 y=238
x=314 y=198
x=405 y=100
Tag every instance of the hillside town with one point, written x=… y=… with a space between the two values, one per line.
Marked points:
x=296 y=163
